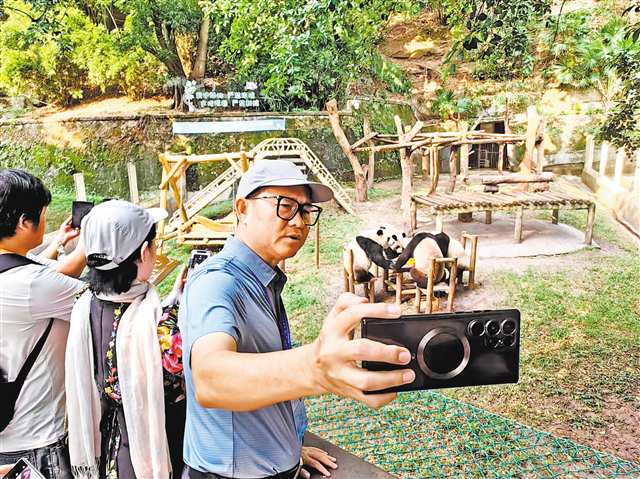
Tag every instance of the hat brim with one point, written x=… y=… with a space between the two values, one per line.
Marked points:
x=157 y=214
x=319 y=193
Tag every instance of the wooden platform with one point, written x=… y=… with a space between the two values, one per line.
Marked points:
x=441 y=204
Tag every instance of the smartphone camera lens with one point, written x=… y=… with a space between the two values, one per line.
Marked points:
x=493 y=342
x=509 y=341
x=475 y=328
x=508 y=327
x=492 y=327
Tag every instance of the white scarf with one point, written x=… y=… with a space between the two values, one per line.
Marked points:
x=141 y=386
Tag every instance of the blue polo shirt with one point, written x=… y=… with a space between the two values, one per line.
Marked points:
x=237 y=293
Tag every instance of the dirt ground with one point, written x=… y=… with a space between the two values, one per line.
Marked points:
x=620 y=436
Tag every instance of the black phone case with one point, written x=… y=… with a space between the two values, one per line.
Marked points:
x=79 y=209
x=446 y=349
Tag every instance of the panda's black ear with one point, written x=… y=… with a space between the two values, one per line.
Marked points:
x=394 y=237
x=404 y=235
x=379 y=232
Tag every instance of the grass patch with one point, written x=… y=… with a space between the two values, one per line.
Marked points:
x=579 y=343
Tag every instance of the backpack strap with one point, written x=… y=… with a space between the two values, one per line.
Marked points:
x=7 y=262
x=11 y=260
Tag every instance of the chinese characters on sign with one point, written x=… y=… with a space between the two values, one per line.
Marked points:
x=197 y=97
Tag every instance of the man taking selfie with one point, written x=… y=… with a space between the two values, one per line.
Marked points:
x=244 y=379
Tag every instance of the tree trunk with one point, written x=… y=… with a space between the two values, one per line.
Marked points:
x=529 y=160
x=407 y=178
x=341 y=138
x=366 y=129
x=200 y=65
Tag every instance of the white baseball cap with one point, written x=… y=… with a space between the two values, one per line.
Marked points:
x=280 y=173
x=113 y=230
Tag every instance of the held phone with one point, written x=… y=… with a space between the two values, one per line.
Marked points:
x=197 y=257
x=23 y=469
x=451 y=349
x=79 y=209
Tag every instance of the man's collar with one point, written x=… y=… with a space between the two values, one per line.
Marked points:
x=252 y=260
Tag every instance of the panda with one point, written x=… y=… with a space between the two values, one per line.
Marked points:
x=425 y=246
x=422 y=248
x=379 y=245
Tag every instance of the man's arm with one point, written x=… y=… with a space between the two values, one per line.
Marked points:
x=72 y=264
x=226 y=379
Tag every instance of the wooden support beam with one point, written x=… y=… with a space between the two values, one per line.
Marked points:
x=591 y=218
x=617 y=175
x=414 y=216
x=407 y=177
x=517 y=234
x=368 y=134
x=453 y=170
x=132 y=174
x=464 y=162
x=435 y=169
x=588 y=153
x=555 y=213
x=81 y=191
x=604 y=158
x=372 y=154
x=528 y=164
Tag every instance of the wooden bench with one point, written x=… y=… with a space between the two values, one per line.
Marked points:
x=441 y=204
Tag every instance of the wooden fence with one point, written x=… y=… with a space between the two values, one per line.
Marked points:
x=615 y=179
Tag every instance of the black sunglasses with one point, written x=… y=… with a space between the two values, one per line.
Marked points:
x=287 y=208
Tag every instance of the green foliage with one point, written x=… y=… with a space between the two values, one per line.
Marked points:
x=447 y=106
x=622 y=123
x=582 y=55
x=495 y=35
x=60 y=55
x=304 y=53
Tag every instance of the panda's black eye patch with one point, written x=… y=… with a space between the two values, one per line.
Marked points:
x=379 y=232
x=394 y=237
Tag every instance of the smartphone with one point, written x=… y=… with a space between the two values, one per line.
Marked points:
x=472 y=348
x=79 y=209
x=197 y=257
x=23 y=469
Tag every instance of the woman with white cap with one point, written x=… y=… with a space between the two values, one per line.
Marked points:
x=125 y=395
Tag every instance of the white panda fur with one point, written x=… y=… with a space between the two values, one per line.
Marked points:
x=456 y=250
x=362 y=259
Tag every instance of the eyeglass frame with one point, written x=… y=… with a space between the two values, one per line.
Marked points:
x=299 y=207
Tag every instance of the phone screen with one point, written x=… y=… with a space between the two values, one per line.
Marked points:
x=23 y=469
x=197 y=257
x=79 y=209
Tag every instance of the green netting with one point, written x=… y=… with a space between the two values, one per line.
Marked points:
x=428 y=435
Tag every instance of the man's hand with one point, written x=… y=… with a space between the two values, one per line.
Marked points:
x=66 y=232
x=5 y=469
x=318 y=459
x=334 y=354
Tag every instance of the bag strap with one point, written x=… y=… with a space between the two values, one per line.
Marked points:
x=33 y=355
x=11 y=260
x=7 y=262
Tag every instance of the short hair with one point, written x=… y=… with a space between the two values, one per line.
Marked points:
x=21 y=195
x=120 y=279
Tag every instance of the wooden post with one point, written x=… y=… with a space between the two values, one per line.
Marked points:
x=500 y=158
x=435 y=169
x=430 y=285
x=591 y=217
x=366 y=129
x=588 y=153
x=244 y=161
x=620 y=157
x=407 y=168
x=385 y=278
x=341 y=138
x=81 y=192
x=345 y=280
x=352 y=286
x=399 y=288
x=452 y=285
x=133 y=183
x=372 y=291
x=555 y=214
x=604 y=158
x=414 y=216
x=517 y=235
x=426 y=160
x=439 y=221
x=453 y=170
x=318 y=244
x=540 y=161
x=464 y=162
x=487 y=217
x=530 y=157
